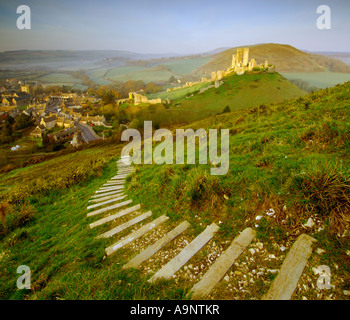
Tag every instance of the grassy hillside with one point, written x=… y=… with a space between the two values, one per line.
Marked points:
x=239 y=92
x=236 y=92
x=320 y=80
x=285 y=57
x=292 y=157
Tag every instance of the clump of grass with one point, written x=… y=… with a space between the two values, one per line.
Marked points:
x=203 y=190
x=325 y=192
x=14 y=216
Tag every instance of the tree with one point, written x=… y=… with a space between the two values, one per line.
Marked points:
x=172 y=79
x=226 y=109
x=23 y=121
x=7 y=129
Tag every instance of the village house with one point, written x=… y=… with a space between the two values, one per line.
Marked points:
x=5 y=102
x=21 y=99
x=48 y=122
x=63 y=122
x=97 y=120
x=64 y=134
x=38 y=132
x=77 y=139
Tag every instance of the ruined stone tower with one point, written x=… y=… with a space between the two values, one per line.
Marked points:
x=241 y=63
x=233 y=64
x=239 y=56
x=245 y=57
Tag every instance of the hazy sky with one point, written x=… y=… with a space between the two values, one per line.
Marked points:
x=176 y=26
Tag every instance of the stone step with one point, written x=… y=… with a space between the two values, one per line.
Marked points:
x=124 y=172
x=122 y=159
x=107 y=197
x=217 y=271
x=125 y=163
x=136 y=234
x=112 y=187
x=96 y=196
x=111 y=184
x=105 y=202
x=119 y=177
x=152 y=249
x=101 y=190
x=114 y=216
x=283 y=286
x=118 y=205
x=125 y=225
x=119 y=184
x=126 y=168
x=186 y=254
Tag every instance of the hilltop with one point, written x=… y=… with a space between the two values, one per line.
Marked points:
x=235 y=93
x=285 y=58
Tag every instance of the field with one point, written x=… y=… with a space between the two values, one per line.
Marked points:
x=186 y=66
x=161 y=72
x=60 y=79
x=320 y=79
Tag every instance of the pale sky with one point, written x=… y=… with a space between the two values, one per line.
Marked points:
x=176 y=26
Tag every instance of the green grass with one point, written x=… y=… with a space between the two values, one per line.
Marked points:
x=244 y=91
x=60 y=79
x=292 y=157
x=280 y=155
x=65 y=259
x=178 y=93
x=186 y=66
x=237 y=92
x=320 y=79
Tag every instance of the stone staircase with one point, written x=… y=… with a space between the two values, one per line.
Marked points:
x=115 y=214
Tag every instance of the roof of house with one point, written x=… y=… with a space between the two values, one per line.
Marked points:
x=49 y=119
x=69 y=131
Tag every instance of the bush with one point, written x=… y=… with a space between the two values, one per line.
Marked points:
x=14 y=216
x=324 y=192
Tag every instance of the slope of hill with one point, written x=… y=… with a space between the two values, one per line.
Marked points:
x=285 y=57
x=291 y=158
x=189 y=104
x=239 y=92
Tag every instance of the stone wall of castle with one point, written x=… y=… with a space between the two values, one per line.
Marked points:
x=139 y=98
x=240 y=62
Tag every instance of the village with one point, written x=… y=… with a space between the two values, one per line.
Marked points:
x=60 y=116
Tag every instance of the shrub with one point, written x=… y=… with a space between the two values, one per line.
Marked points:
x=324 y=192
x=14 y=216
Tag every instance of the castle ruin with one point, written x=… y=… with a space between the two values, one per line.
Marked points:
x=240 y=62
x=139 y=98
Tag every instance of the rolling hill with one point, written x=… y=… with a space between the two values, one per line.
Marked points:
x=285 y=58
x=236 y=92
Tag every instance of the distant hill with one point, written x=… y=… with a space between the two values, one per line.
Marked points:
x=343 y=56
x=285 y=57
x=52 y=59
